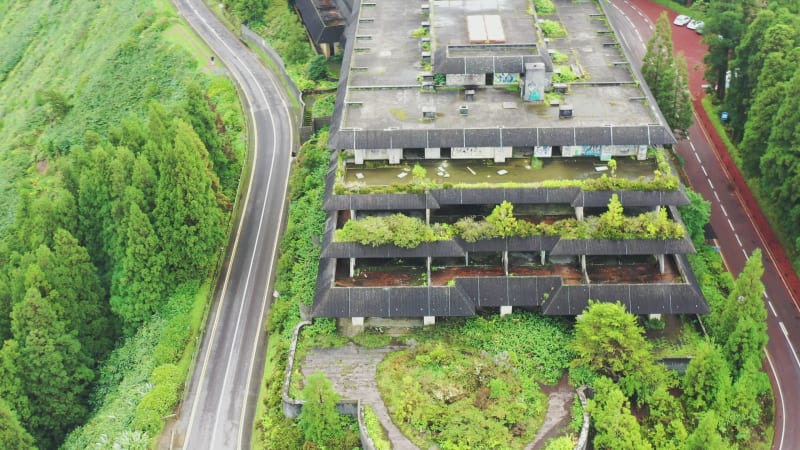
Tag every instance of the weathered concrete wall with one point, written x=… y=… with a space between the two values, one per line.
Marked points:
x=583 y=438
x=293 y=407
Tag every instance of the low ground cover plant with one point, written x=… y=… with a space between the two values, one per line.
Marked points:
x=456 y=397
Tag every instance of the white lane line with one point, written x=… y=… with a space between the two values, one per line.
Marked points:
x=703 y=168
x=780 y=395
x=738 y=240
x=236 y=241
x=710 y=184
x=746 y=256
x=717 y=196
x=730 y=224
x=696 y=156
x=791 y=347
x=771 y=307
x=724 y=211
x=649 y=26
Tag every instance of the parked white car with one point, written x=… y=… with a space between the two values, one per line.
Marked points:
x=681 y=20
x=696 y=25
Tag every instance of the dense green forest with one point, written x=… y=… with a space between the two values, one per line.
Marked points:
x=724 y=401
x=121 y=153
x=758 y=49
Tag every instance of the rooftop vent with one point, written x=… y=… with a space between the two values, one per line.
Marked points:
x=425 y=8
x=565 y=111
x=428 y=86
x=469 y=95
x=560 y=88
x=426 y=56
x=463 y=110
x=425 y=25
x=428 y=112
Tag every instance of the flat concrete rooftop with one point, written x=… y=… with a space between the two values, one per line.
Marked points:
x=383 y=88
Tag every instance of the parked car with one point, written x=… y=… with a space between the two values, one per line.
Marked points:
x=681 y=20
x=695 y=25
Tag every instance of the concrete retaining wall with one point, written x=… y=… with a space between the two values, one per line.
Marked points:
x=293 y=407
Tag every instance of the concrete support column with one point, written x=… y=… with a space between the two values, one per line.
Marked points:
x=583 y=266
x=352 y=267
x=505 y=310
x=429 y=320
x=352 y=214
x=654 y=316
x=579 y=212
x=428 y=265
x=357 y=321
x=543 y=255
x=428 y=216
x=466 y=258
x=505 y=262
x=661 y=265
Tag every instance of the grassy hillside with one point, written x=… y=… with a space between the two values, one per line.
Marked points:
x=120 y=154
x=68 y=67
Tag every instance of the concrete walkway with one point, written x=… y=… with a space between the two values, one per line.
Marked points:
x=352 y=370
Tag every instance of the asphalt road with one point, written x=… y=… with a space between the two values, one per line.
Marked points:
x=739 y=225
x=221 y=396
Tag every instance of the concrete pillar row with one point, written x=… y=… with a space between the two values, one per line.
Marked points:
x=579 y=212
x=505 y=310
x=352 y=267
x=661 y=263
x=428 y=266
x=429 y=320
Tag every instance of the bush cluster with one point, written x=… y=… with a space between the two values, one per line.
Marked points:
x=454 y=397
x=409 y=232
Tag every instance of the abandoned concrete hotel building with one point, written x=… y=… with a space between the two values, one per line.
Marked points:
x=448 y=108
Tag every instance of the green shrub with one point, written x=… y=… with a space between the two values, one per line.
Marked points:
x=559 y=58
x=375 y=430
x=419 y=33
x=317 y=68
x=160 y=401
x=552 y=29
x=323 y=105
x=544 y=7
x=561 y=443
x=440 y=394
x=397 y=229
x=173 y=340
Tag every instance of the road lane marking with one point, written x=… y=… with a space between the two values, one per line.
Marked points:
x=738 y=240
x=238 y=233
x=738 y=195
x=724 y=211
x=791 y=347
x=769 y=303
x=730 y=224
x=780 y=395
x=703 y=168
x=711 y=184
x=716 y=196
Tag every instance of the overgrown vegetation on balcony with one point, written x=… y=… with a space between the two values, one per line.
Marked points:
x=409 y=232
x=663 y=180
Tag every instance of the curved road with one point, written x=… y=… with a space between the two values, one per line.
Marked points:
x=220 y=401
x=739 y=225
